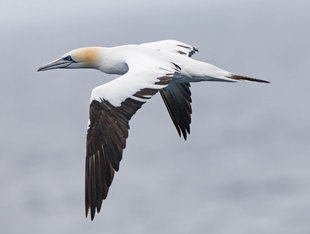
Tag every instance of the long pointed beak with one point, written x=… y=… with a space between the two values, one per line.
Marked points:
x=59 y=63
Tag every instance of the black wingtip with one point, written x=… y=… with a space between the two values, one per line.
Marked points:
x=193 y=51
x=86 y=212
x=185 y=131
x=92 y=213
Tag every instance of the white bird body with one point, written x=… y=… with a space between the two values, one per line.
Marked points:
x=145 y=69
x=133 y=60
x=113 y=61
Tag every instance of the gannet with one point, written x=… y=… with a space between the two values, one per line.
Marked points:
x=145 y=69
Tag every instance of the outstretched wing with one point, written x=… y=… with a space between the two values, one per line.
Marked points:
x=177 y=96
x=112 y=106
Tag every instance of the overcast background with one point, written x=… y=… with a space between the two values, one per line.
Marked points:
x=244 y=168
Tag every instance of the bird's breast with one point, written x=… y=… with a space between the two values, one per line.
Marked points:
x=119 y=68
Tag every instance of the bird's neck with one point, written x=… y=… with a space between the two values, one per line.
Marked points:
x=111 y=61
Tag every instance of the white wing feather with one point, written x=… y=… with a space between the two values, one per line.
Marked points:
x=138 y=77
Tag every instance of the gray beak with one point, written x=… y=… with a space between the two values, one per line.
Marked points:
x=59 y=63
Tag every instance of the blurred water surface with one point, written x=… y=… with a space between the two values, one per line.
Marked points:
x=245 y=166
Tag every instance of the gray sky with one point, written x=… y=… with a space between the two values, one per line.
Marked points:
x=245 y=166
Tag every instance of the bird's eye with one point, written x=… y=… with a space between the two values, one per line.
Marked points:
x=68 y=58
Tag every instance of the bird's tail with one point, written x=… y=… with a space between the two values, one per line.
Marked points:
x=239 y=78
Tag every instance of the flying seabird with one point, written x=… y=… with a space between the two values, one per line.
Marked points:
x=145 y=69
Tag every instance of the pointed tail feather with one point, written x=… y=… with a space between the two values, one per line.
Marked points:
x=237 y=78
